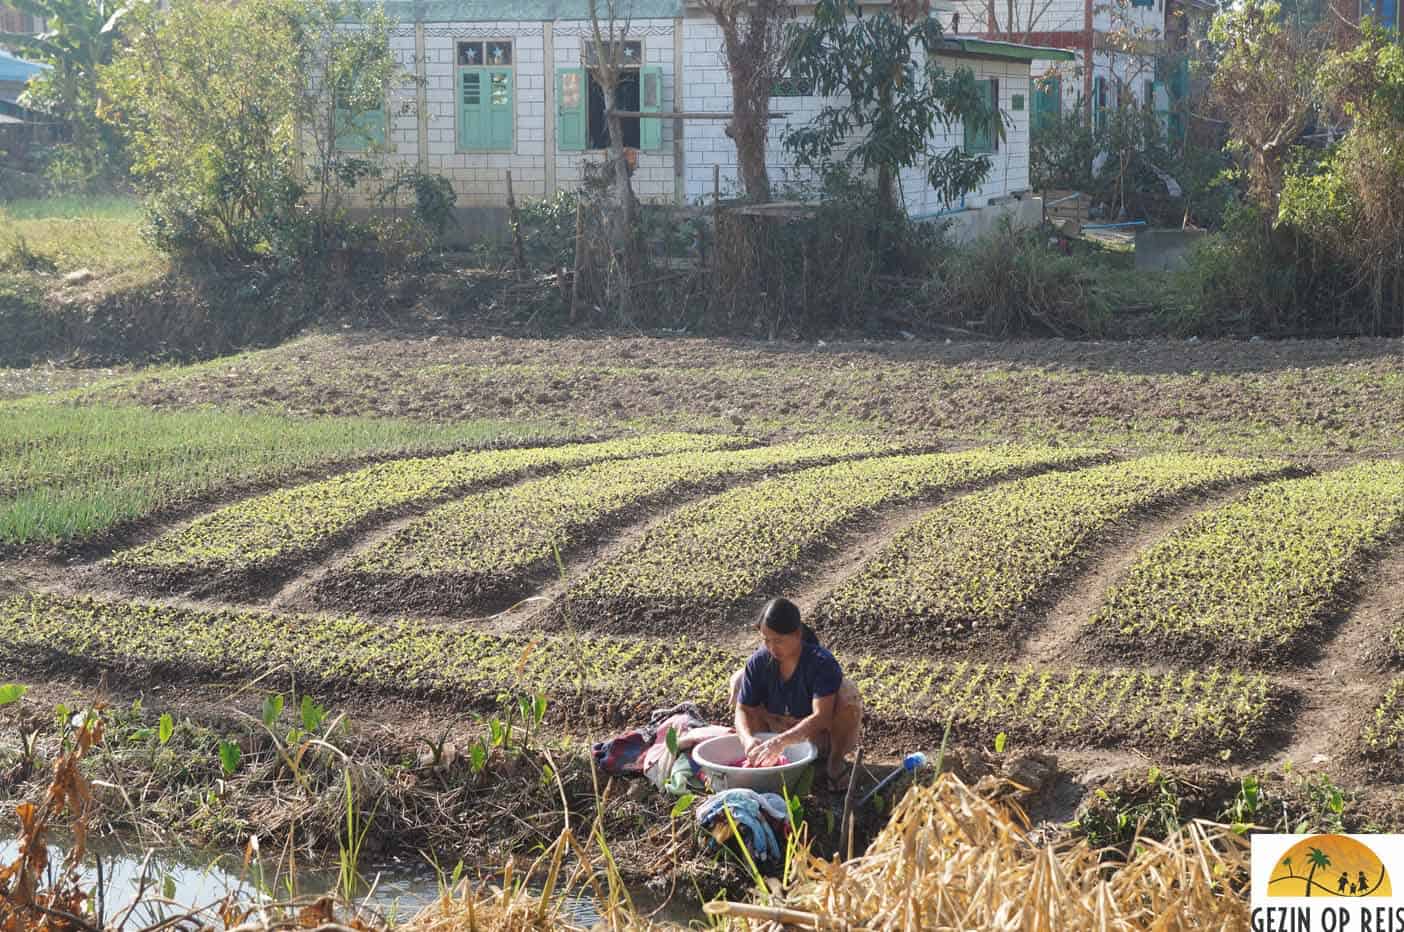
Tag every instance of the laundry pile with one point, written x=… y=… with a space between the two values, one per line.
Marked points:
x=761 y=819
x=645 y=751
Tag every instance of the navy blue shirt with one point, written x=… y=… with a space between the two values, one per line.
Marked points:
x=816 y=675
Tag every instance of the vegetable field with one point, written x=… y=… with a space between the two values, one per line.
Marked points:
x=1261 y=577
x=1181 y=604
x=480 y=551
x=1179 y=714
x=710 y=559
x=975 y=568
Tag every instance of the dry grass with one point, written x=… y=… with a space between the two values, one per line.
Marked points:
x=952 y=859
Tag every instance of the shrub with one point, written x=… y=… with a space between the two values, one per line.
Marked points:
x=1012 y=282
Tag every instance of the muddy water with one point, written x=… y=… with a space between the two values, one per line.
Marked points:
x=395 y=890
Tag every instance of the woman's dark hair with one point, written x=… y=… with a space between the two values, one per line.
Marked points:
x=783 y=617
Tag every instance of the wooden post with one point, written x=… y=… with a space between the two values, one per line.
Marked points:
x=846 y=838
x=579 y=257
x=518 y=250
x=716 y=211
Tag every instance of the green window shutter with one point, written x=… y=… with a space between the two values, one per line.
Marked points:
x=359 y=133
x=572 y=94
x=472 y=109
x=650 y=101
x=500 y=111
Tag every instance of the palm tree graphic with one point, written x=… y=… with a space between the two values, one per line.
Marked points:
x=1317 y=859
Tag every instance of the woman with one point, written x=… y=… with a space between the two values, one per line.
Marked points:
x=795 y=688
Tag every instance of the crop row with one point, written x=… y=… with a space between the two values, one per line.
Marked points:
x=977 y=566
x=484 y=550
x=1259 y=577
x=260 y=540
x=709 y=559
x=72 y=472
x=1180 y=714
x=1382 y=735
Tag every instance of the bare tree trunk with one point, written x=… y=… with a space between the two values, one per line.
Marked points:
x=752 y=38
x=748 y=129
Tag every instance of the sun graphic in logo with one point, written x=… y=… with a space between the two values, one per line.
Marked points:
x=1329 y=865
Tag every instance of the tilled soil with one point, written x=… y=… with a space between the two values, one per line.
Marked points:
x=1325 y=398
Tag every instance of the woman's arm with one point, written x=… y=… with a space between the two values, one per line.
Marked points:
x=811 y=726
x=747 y=723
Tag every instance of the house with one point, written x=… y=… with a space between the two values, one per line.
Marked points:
x=15 y=73
x=1118 y=48
x=505 y=86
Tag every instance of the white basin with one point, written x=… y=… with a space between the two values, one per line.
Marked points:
x=711 y=755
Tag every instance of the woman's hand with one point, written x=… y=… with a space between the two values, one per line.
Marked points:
x=764 y=752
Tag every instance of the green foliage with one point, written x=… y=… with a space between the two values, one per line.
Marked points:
x=229 y=756
x=11 y=693
x=982 y=563
x=708 y=558
x=1180 y=713
x=79 y=39
x=1111 y=820
x=888 y=97
x=1013 y=283
x=264 y=536
x=165 y=729
x=1382 y=736
x=476 y=551
x=227 y=155
x=548 y=230
x=1258 y=577
x=71 y=472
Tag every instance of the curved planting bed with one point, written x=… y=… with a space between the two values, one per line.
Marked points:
x=483 y=552
x=1180 y=714
x=710 y=561
x=1258 y=578
x=248 y=547
x=973 y=573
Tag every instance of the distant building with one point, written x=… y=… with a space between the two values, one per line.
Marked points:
x=505 y=86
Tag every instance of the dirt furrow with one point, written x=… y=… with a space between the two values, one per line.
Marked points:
x=1349 y=674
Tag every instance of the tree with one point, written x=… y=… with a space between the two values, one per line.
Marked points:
x=606 y=66
x=1263 y=85
x=753 y=38
x=80 y=39
x=1317 y=859
x=232 y=110
x=890 y=96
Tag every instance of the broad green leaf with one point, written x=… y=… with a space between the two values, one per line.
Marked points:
x=683 y=804
x=272 y=709
x=11 y=693
x=165 y=728
x=229 y=757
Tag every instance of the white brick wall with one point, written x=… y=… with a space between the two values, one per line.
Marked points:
x=708 y=88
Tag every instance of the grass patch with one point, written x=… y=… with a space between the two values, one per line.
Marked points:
x=710 y=559
x=483 y=551
x=977 y=567
x=1259 y=577
x=68 y=474
x=259 y=541
x=99 y=234
x=1178 y=713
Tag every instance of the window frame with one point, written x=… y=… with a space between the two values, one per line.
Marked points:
x=588 y=78
x=992 y=147
x=484 y=69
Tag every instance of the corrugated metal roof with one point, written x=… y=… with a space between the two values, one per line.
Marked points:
x=1008 y=51
x=17 y=69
